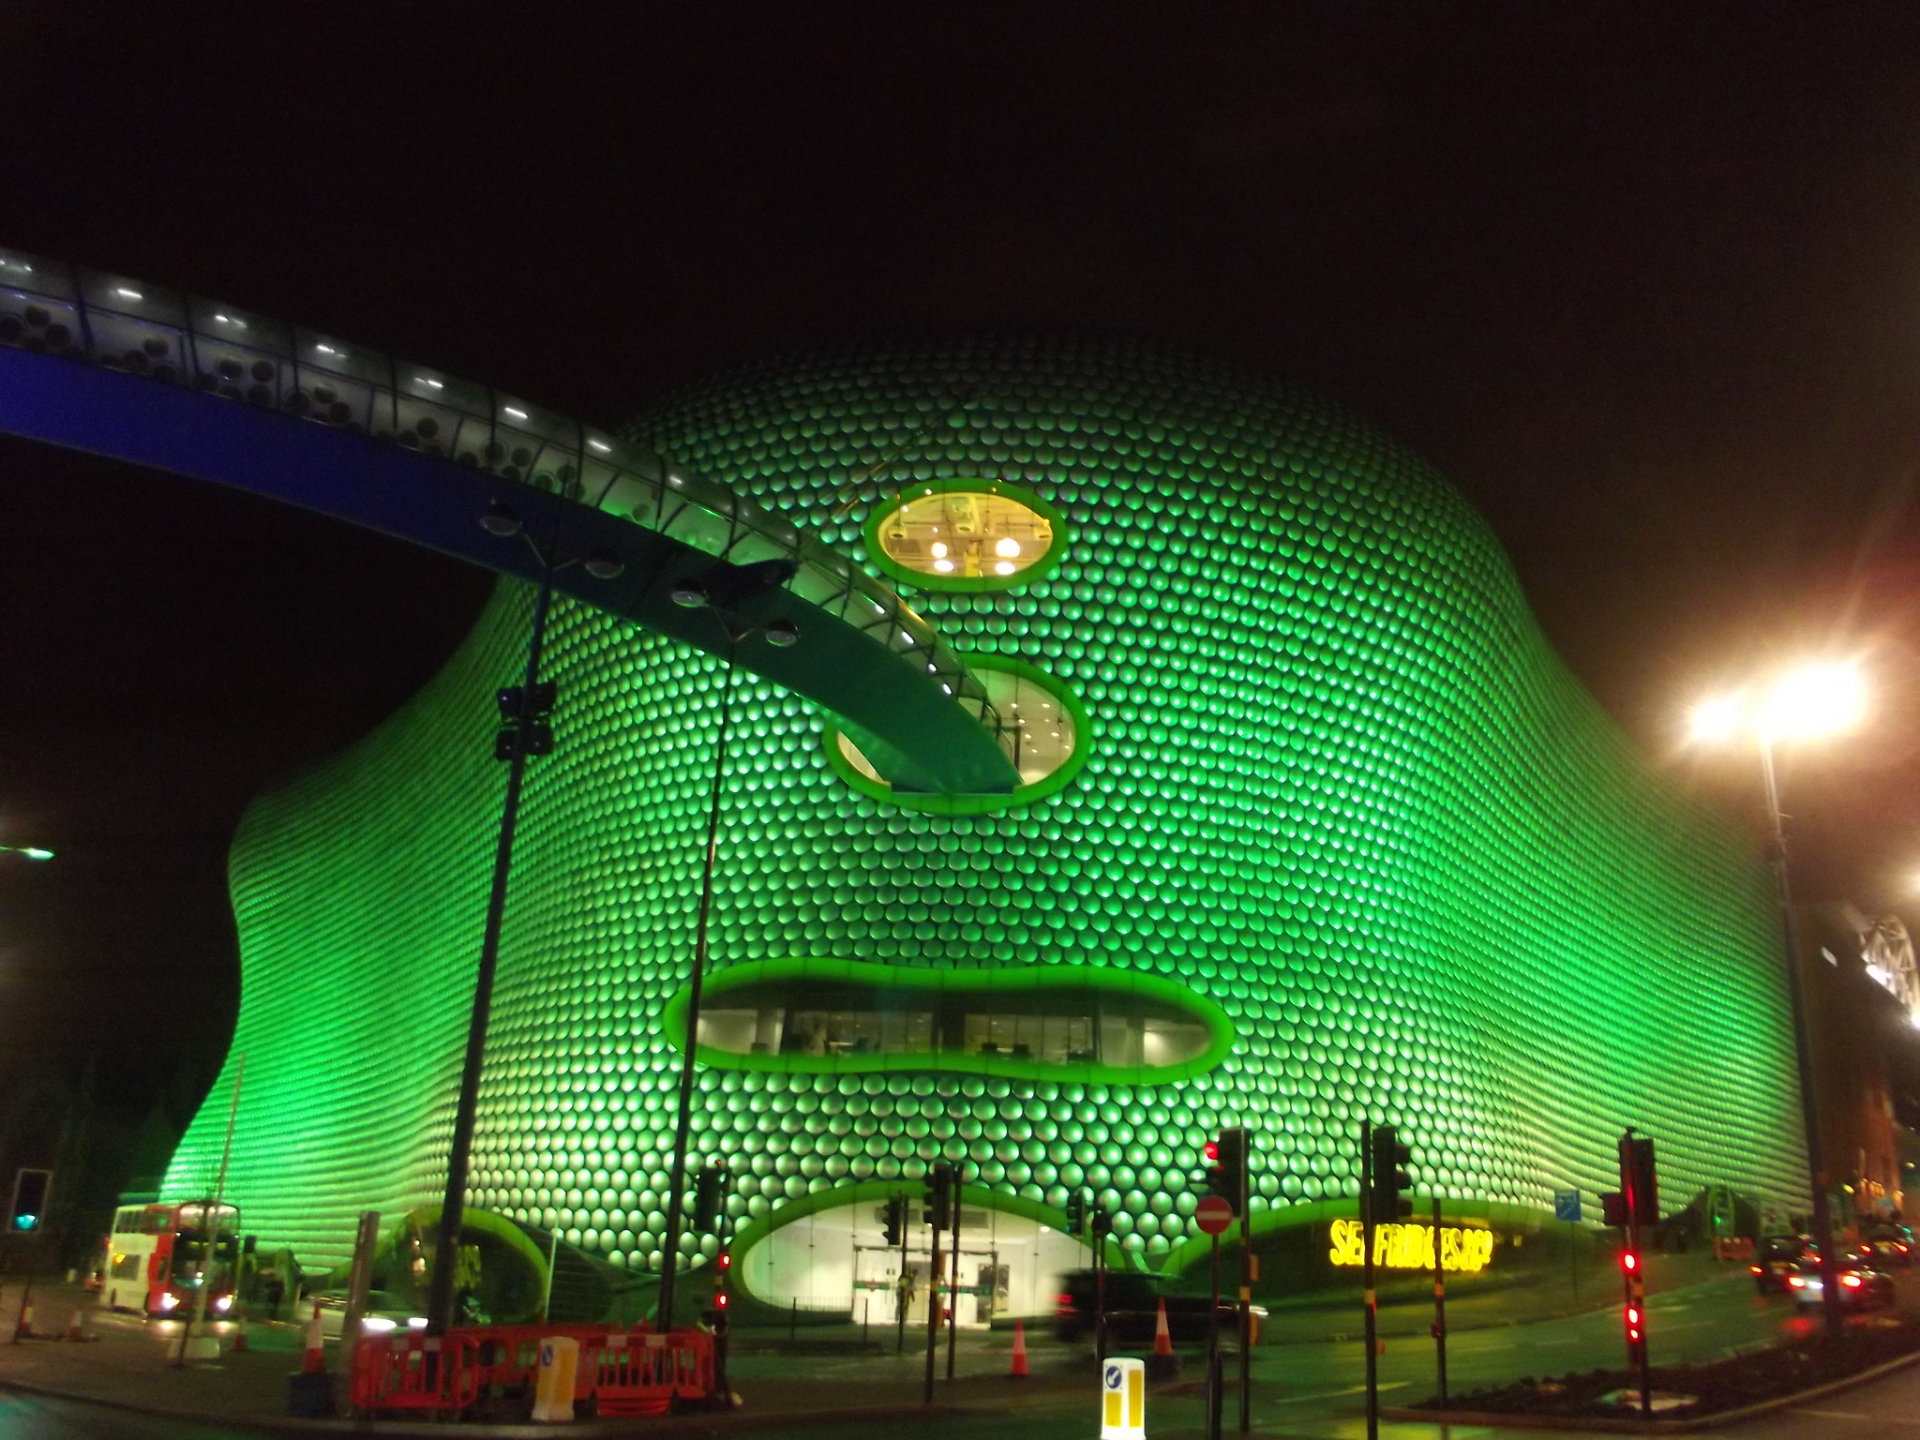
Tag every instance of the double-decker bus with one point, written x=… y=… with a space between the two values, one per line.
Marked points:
x=157 y=1254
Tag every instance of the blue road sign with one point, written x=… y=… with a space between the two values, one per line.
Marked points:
x=1566 y=1204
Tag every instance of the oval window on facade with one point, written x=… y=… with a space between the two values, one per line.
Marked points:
x=1043 y=729
x=1051 y=1022
x=965 y=535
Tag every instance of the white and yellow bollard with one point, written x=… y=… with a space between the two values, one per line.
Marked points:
x=1123 y=1400
x=554 y=1380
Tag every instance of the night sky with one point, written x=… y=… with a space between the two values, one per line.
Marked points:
x=1643 y=280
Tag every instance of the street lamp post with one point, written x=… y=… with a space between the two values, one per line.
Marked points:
x=1806 y=704
x=1803 y=1059
x=524 y=734
x=718 y=590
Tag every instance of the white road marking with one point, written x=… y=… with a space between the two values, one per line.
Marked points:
x=1336 y=1394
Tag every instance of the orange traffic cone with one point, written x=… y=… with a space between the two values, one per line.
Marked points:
x=314 y=1361
x=76 y=1329
x=1019 y=1371
x=24 y=1327
x=1162 y=1337
x=239 y=1337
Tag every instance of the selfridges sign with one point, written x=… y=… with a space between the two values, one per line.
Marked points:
x=1410 y=1247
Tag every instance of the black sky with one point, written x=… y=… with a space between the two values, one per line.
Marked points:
x=1644 y=280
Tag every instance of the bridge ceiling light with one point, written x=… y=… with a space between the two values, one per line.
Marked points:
x=501 y=519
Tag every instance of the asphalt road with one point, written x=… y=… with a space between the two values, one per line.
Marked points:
x=1311 y=1390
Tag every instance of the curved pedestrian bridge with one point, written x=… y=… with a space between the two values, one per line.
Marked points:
x=126 y=369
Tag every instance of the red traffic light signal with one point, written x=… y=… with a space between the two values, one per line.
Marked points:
x=1226 y=1157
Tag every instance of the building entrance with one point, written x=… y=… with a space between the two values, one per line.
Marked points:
x=837 y=1261
x=982 y=1290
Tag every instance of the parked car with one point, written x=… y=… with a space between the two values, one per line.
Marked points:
x=1133 y=1310
x=1862 y=1285
x=1775 y=1258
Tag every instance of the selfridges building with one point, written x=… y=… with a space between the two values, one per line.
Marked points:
x=1313 y=828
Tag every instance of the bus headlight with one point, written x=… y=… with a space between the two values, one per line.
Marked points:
x=223 y=1304
x=169 y=1300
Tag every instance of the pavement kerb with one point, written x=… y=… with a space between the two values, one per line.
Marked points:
x=689 y=1425
x=1502 y=1420
x=1424 y=1328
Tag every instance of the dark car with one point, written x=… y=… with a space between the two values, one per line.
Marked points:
x=1890 y=1244
x=1775 y=1258
x=1862 y=1285
x=1133 y=1310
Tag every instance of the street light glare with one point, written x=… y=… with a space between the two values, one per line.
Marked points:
x=1816 y=700
x=1720 y=718
x=1805 y=704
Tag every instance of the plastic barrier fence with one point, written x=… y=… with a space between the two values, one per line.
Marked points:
x=621 y=1372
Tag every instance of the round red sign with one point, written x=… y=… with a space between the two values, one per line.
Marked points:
x=1213 y=1215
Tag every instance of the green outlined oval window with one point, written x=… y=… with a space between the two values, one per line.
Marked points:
x=1043 y=729
x=965 y=535
x=1059 y=1022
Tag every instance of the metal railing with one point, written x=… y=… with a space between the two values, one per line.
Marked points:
x=173 y=338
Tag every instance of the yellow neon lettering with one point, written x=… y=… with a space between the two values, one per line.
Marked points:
x=1467 y=1248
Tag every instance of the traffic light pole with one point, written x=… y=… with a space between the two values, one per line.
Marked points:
x=1366 y=1246
x=953 y=1286
x=1215 y=1397
x=440 y=1296
x=1439 y=1305
x=1636 y=1297
x=933 y=1286
x=1246 y=1294
x=1094 y=1214
x=900 y=1286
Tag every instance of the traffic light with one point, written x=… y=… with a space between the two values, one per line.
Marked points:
x=539 y=730
x=1613 y=1208
x=893 y=1220
x=1076 y=1212
x=1227 y=1166
x=707 y=1187
x=1638 y=1182
x=1635 y=1313
x=28 y=1208
x=940 y=1197
x=1101 y=1220
x=1387 y=1205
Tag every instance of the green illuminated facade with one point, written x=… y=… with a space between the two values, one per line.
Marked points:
x=1316 y=828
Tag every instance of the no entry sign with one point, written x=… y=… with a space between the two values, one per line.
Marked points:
x=1213 y=1215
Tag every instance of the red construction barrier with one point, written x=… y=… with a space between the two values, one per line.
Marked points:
x=645 y=1372
x=622 y=1372
x=412 y=1373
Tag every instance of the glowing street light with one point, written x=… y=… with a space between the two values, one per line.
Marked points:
x=27 y=852
x=1811 y=702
